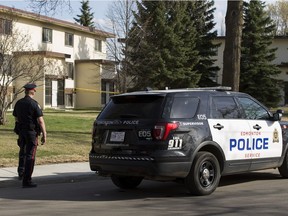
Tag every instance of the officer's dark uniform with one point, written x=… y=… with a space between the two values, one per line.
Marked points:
x=27 y=110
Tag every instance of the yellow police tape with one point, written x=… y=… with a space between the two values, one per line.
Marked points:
x=94 y=91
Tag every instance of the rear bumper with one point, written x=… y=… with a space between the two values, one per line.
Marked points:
x=145 y=166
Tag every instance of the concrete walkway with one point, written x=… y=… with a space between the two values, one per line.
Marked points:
x=48 y=173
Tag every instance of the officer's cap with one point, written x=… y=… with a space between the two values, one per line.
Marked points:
x=30 y=86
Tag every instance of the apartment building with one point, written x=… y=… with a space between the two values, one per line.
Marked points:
x=281 y=60
x=81 y=75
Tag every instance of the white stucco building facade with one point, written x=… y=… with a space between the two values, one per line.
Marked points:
x=75 y=52
x=281 y=60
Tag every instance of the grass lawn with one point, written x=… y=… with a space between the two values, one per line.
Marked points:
x=68 y=138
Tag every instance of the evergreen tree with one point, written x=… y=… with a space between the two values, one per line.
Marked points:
x=162 y=46
x=202 y=11
x=257 y=71
x=86 y=17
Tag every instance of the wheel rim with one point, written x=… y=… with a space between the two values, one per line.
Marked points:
x=206 y=174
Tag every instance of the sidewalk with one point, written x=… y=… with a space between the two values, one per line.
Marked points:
x=49 y=173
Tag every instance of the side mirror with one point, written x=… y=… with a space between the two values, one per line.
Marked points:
x=277 y=116
x=280 y=111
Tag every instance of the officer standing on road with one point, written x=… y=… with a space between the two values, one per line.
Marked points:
x=30 y=124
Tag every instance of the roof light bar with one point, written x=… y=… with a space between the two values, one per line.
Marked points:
x=216 y=88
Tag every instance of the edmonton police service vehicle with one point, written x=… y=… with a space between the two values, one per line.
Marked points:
x=194 y=136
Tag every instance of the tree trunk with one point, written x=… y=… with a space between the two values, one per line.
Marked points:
x=232 y=51
x=2 y=117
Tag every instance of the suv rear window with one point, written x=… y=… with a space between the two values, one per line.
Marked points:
x=133 y=106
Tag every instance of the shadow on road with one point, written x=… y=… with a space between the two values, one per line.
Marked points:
x=249 y=177
x=102 y=189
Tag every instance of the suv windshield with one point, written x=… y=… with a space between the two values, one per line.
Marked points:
x=133 y=106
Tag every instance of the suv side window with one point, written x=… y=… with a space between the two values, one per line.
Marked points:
x=252 y=109
x=184 y=107
x=224 y=107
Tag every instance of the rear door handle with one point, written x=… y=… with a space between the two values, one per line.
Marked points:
x=218 y=126
x=257 y=127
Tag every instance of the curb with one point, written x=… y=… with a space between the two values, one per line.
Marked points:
x=15 y=182
x=51 y=173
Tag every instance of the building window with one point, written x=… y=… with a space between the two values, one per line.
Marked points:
x=98 y=45
x=47 y=35
x=60 y=93
x=70 y=70
x=107 y=87
x=69 y=100
x=69 y=39
x=5 y=26
x=48 y=92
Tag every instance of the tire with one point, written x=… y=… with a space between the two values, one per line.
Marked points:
x=283 y=169
x=204 y=176
x=126 y=182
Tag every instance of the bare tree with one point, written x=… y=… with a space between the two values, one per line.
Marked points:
x=120 y=16
x=279 y=14
x=18 y=65
x=232 y=51
x=49 y=6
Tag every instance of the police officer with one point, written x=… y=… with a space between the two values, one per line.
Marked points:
x=30 y=124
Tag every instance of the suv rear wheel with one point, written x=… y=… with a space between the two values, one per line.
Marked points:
x=126 y=182
x=204 y=175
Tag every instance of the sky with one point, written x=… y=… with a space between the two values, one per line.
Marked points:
x=100 y=7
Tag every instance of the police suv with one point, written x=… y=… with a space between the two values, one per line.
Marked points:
x=194 y=136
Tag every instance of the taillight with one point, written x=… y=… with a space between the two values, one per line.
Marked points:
x=93 y=132
x=162 y=130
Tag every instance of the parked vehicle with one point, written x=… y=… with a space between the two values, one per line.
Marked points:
x=193 y=136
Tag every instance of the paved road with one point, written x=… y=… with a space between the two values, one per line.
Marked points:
x=264 y=193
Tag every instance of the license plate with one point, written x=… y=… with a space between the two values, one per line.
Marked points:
x=117 y=136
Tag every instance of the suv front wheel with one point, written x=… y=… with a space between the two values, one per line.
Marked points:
x=204 y=175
